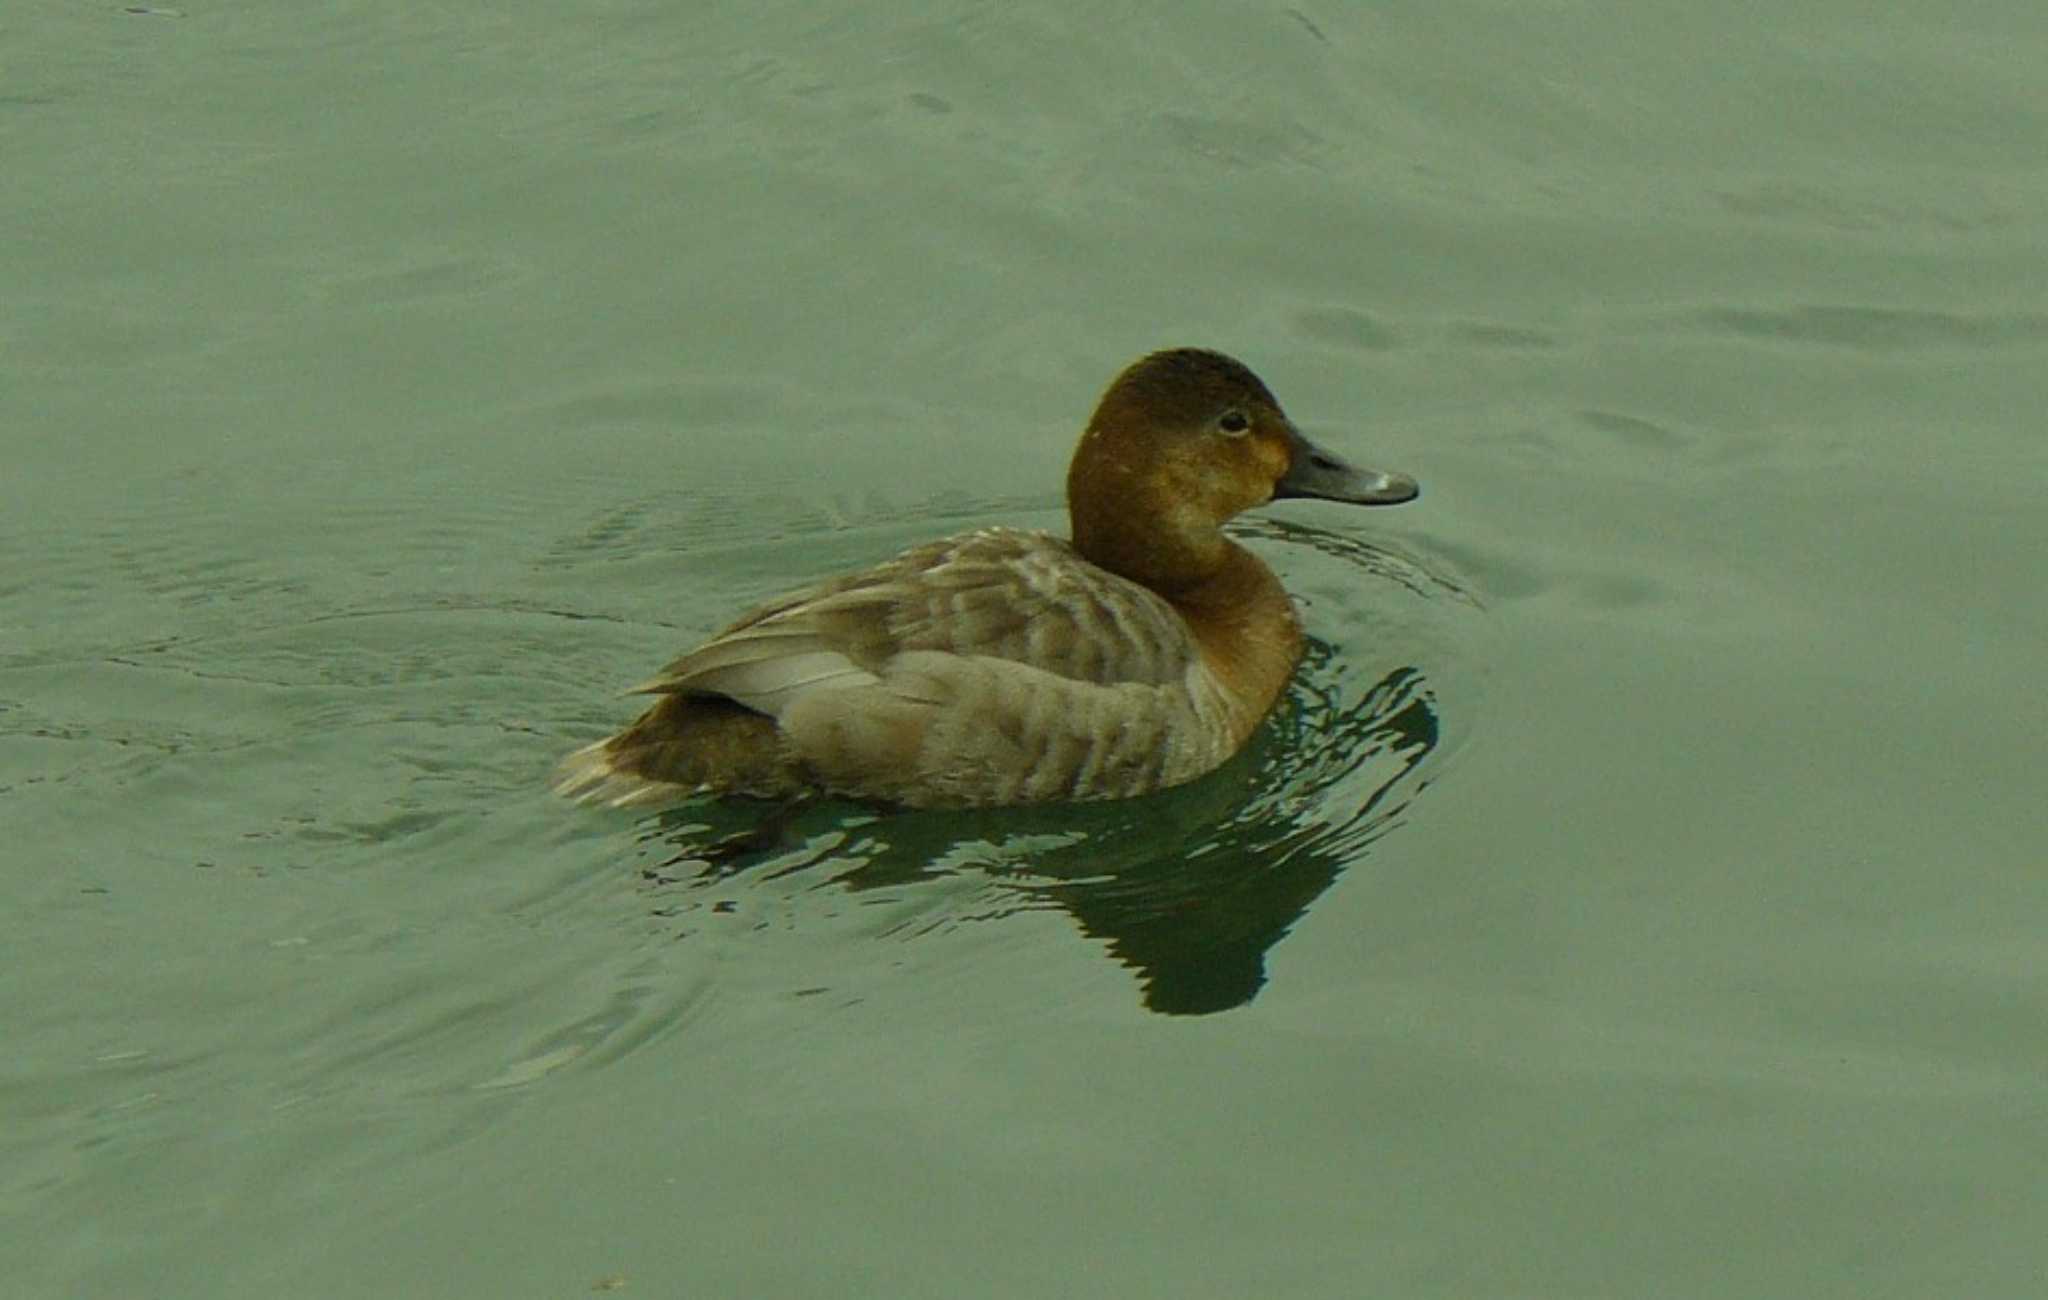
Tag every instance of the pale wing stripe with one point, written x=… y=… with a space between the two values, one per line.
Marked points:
x=766 y=685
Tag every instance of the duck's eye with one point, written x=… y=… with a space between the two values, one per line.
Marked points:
x=1233 y=423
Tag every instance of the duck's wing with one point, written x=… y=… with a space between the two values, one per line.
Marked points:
x=999 y=594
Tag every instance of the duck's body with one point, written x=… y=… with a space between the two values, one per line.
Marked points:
x=1008 y=667
x=995 y=667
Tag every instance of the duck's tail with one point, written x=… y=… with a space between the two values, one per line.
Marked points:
x=685 y=745
x=593 y=775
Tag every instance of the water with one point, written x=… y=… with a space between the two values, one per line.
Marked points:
x=1639 y=892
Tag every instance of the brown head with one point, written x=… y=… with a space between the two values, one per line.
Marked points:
x=1182 y=441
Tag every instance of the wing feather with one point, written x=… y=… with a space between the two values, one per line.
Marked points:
x=998 y=593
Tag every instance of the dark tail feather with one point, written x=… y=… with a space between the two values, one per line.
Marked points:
x=685 y=745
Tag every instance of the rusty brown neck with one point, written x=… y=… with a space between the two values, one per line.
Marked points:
x=1133 y=514
x=1244 y=622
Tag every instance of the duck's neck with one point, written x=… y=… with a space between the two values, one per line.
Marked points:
x=1142 y=517
x=1245 y=624
x=1167 y=545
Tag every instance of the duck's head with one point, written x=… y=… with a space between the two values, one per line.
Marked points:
x=1182 y=441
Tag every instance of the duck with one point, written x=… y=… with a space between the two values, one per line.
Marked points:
x=1004 y=666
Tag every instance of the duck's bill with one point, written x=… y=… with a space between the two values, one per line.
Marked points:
x=1318 y=473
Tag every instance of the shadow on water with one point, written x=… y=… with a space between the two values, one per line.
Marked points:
x=1190 y=888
